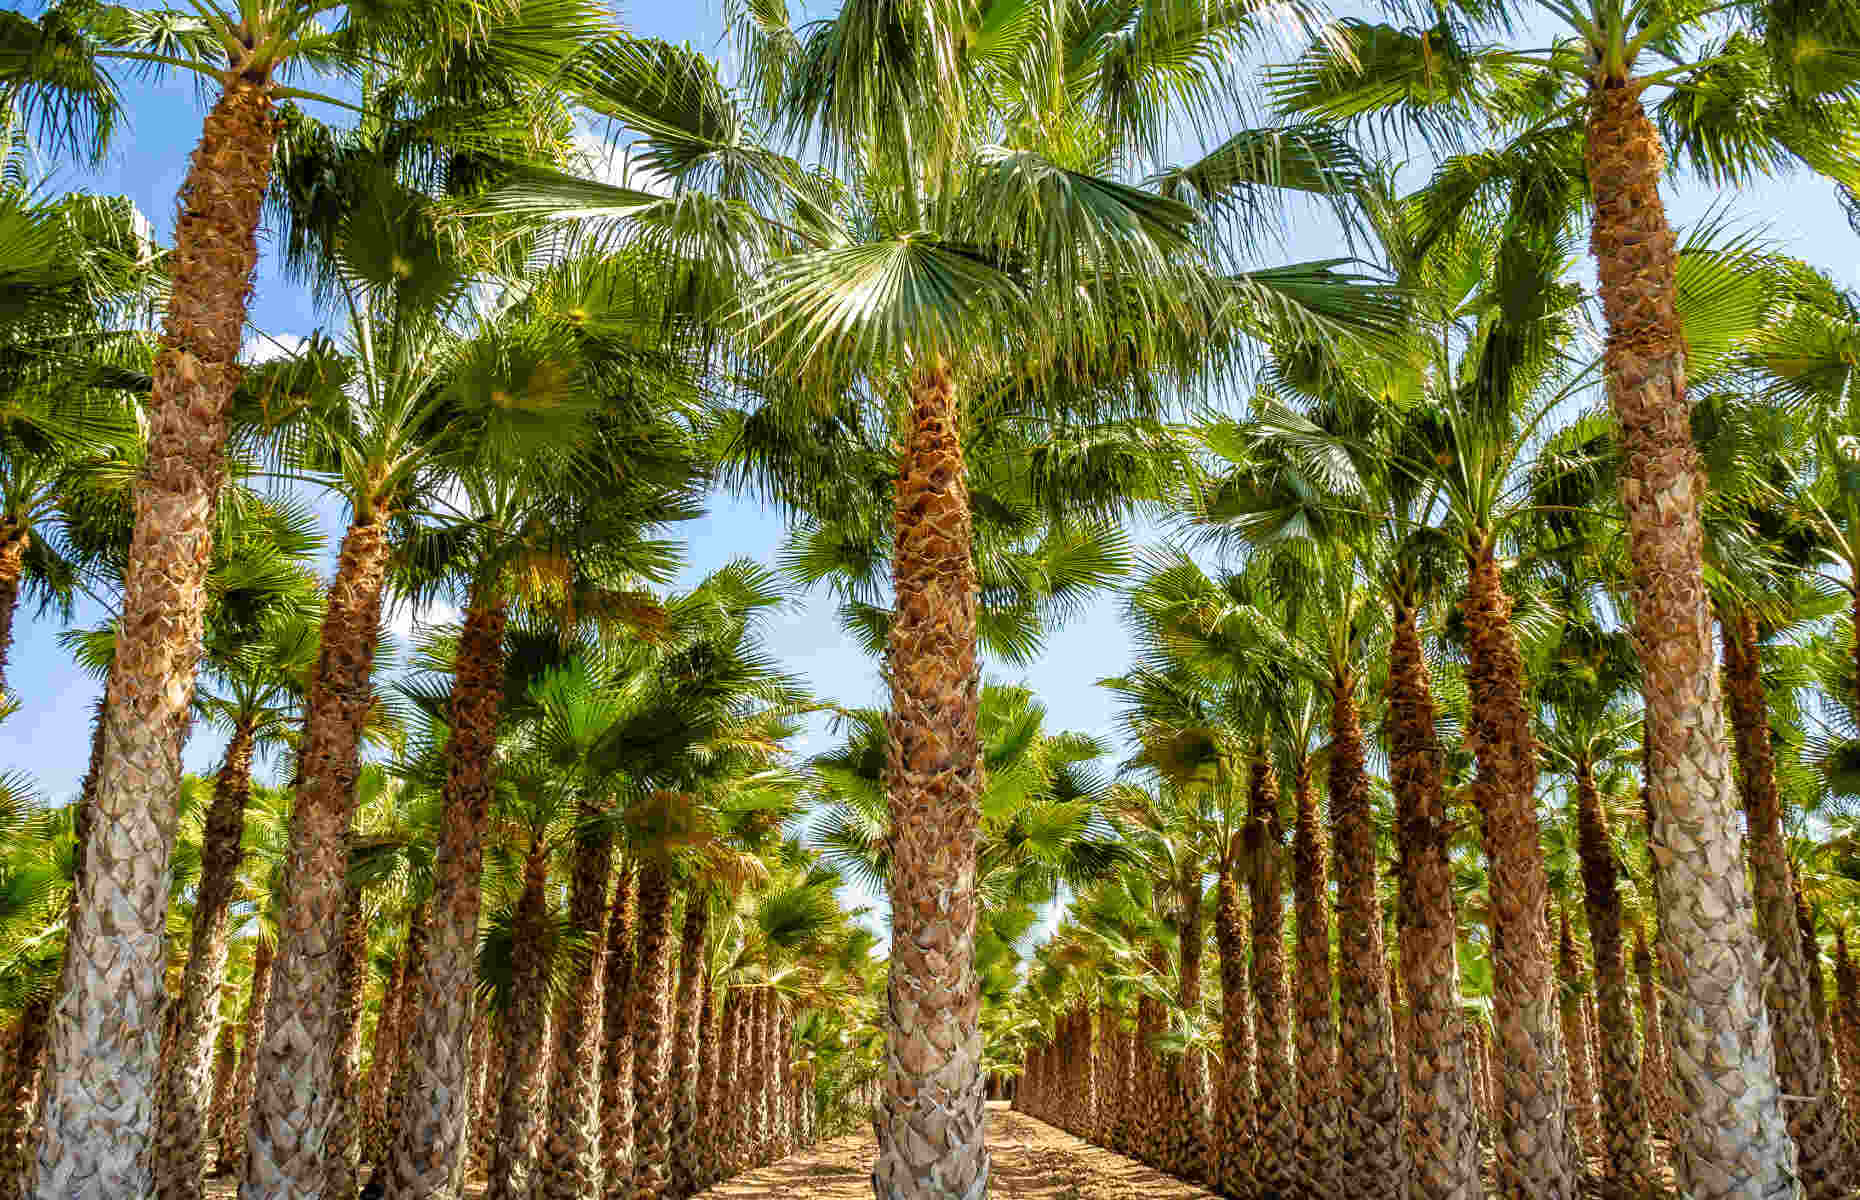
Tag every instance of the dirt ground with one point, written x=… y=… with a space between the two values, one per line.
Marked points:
x=1031 y=1161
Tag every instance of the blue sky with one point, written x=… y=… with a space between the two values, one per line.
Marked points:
x=48 y=737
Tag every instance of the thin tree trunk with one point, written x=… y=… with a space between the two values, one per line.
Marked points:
x=1189 y=1156
x=571 y=1169
x=1531 y=1154
x=930 y=1130
x=728 y=1114
x=1234 y=1134
x=343 y=1149
x=14 y=538
x=617 y=1062
x=225 y=1077
x=427 y=1147
x=1276 y=1120
x=294 y=1103
x=703 y=1154
x=1847 y=1023
x=99 y=1104
x=1370 y=1159
x=239 y=1117
x=1723 y=1052
x=391 y=1031
x=1318 y=1130
x=1444 y=1148
x=22 y=1093
x=1585 y=1133
x=1814 y=1113
x=1627 y=1142
x=1653 y=1076
x=519 y=1115
x=652 y=1036
x=681 y=1078
x=180 y=1149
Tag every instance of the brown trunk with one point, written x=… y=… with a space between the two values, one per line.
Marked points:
x=1530 y=1140
x=225 y=1077
x=401 y=1087
x=1370 y=1158
x=617 y=1062
x=1653 y=1075
x=99 y=1102
x=1627 y=1142
x=343 y=1150
x=652 y=1036
x=1724 y=1056
x=703 y=1155
x=390 y=1037
x=681 y=1091
x=519 y=1116
x=232 y=1136
x=1814 y=1115
x=1188 y=1082
x=427 y=1147
x=1585 y=1135
x=1276 y=1120
x=572 y=1164
x=728 y=1114
x=1234 y=1134
x=930 y=1143
x=1444 y=1147
x=1317 y=1068
x=1847 y=1023
x=181 y=1146
x=22 y=1092
x=14 y=538
x=294 y=1103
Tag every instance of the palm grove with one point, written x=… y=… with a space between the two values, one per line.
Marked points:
x=1517 y=607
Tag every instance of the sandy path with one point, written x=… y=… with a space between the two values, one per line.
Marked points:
x=1032 y=1161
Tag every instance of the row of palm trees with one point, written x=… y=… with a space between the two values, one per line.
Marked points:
x=945 y=206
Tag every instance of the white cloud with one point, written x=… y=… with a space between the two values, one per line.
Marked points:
x=616 y=165
x=263 y=347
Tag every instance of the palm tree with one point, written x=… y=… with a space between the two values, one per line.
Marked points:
x=99 y=1109
x=1587 y=115
x=560 y=533
x=1001 y=265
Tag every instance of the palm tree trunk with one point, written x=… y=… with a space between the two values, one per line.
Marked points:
x=1531 y=1156
x=571 y=1167
x=520 y=1112
x=232 y=1137
x=22 y=1092
x=703 y=1152
x=225 y=1077
x=101 y=1080
x=401 y=1085
x=1275 y=1119
x=343 y=1149
x=1653 y=1076
x=681 y=1079
x=1724 y=1054
x=1814 y=1115
x=1817 y=989
x=390 y=1035
x=1847 y=1023
x=428 y=1146
x=1234 y=1134
x=1627 y=1143
x=14 y=538
x=1444 y=1146
x=1584 y=1132
x=930 y=1144
x=1107 y=1068
x=652 y=1036
x=1188 y=1082
x=294 y=1103
x=617 y=1060
x=180 y=1148
x=1318 y=1131
x=756 y=1080
x=1371 y=1159
x=729 y=1084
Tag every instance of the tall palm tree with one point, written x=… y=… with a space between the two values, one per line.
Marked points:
x=989 y=249
x=1587 y=115
x=561 y=533
x=101 y=1090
